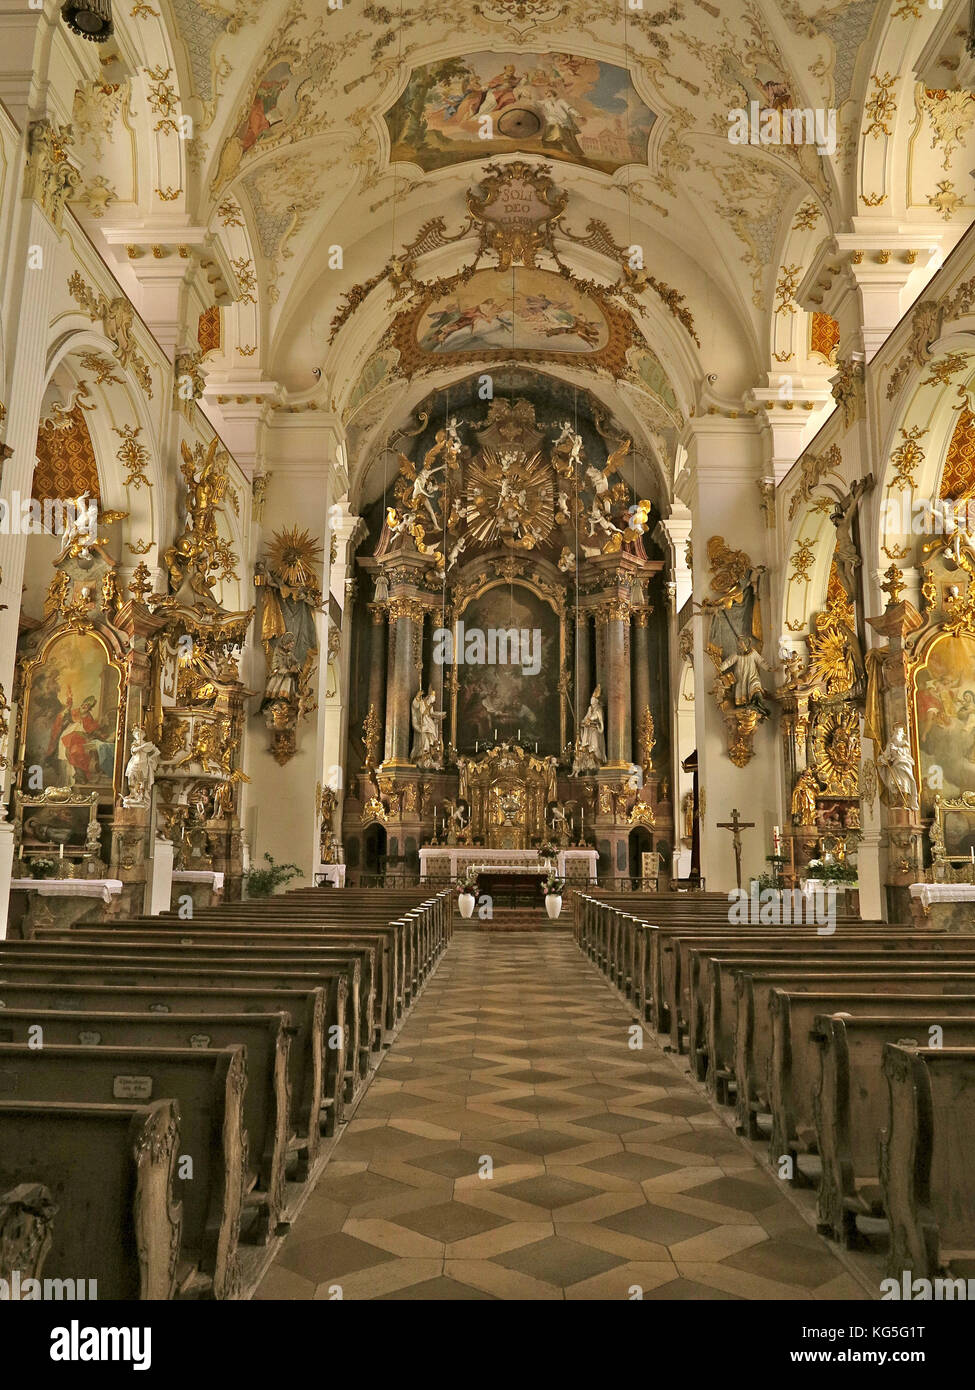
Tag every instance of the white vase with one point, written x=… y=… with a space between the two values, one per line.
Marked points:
x=466 y=901
x=553 y=904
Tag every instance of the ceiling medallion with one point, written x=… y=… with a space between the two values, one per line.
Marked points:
x=521 y=15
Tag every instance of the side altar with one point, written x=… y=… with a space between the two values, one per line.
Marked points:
x=443 y=861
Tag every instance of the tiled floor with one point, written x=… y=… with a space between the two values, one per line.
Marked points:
x=513 y=1145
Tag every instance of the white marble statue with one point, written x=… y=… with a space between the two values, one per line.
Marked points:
x=426 y=731
x=140 y=770
x=896 y=767
x=592 y=735
x=745 y=665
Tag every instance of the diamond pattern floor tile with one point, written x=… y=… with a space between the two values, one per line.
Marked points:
x=606 y=1169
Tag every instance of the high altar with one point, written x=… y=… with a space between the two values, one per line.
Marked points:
x=511 y=659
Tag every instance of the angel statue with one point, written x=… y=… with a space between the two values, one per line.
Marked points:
x=140 y=770
x=896 y=767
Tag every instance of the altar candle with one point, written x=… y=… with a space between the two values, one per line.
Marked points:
x=477 y=746
x=973 y=854
x=61 y=850
x=519 y=735
x=495 y=735
x=536 y=745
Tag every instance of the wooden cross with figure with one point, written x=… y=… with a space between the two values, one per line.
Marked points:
x=736 y=826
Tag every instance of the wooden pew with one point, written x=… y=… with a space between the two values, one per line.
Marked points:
x=306 y=1008
x=699 y=999
x=852 y=1104
x=267 y=1102
x=117 y=1221
x=332 y=981
x=208 y=1086
x=253 y=962
x=752 y=1042
x=926 y=1170
x=255 y=944
x=386 y=939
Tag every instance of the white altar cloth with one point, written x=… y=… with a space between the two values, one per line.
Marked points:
x=212 y=876
x=104 y=888
x=929 y=893
x=513 y=861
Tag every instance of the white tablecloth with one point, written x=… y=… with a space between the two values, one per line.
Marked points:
x=929 y=893
x=104 y=888
x=210 y=876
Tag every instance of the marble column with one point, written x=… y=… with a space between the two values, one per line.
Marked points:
x=582 y=667
x=405 y=636
x=641 y=676
x=615 y=618
x=377 y=663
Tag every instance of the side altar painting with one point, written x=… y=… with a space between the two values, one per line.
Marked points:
x=945 y=721
x=71 y=716
x=555 y=104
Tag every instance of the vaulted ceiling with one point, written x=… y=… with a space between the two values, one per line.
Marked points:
x=328 y=135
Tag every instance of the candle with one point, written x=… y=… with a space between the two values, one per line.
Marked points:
x=477 y=746
x=519 y=735
x=495 y=733
x=20 y=852
x=536 y=745
x=973 y=854
x=61 y=850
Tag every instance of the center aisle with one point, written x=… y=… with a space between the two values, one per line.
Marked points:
x=609 y=1170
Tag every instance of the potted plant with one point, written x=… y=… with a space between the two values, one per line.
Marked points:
x=43 y=868
x=467 y=892
x=552 y=888
x=261 y=883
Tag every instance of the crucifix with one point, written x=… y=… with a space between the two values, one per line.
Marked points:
x=736 y=826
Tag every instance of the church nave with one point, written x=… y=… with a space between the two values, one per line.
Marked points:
x=609 y=1169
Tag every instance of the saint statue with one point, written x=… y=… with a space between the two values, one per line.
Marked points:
x=745 y=665
x=426 y=733
x=896 y=767
x=140 y=770
x=592 y=744
x=804 y=799
x=282 y=679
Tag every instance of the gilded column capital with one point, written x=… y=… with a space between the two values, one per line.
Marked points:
x=403 y=606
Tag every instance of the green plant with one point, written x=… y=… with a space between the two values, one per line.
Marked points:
x=261 y=883
x=43 y=868
x=553 y=884
x=831 y=873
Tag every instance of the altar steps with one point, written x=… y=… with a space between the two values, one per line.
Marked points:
x=515 y=919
